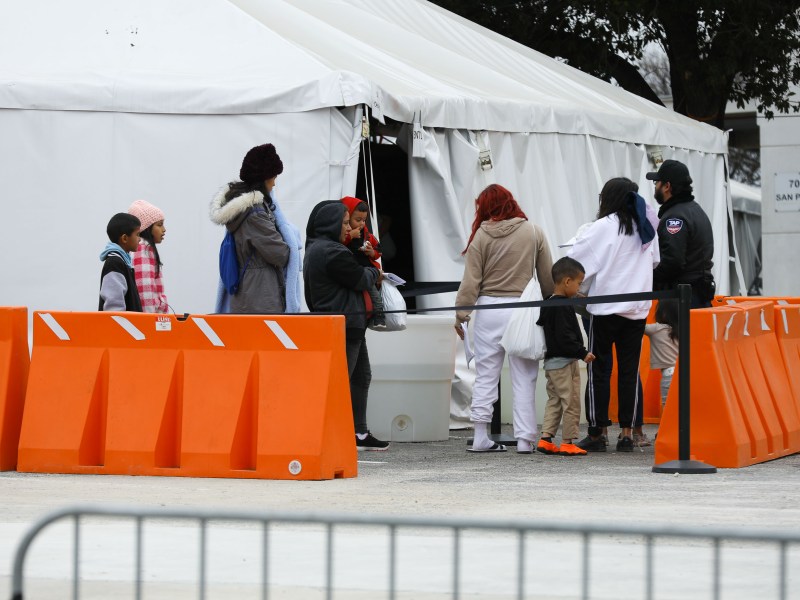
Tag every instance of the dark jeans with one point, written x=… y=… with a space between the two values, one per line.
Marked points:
x=360 y=374
x=606 y=331
x=608 y=365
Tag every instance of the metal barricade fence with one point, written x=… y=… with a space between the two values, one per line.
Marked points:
x=786 y=547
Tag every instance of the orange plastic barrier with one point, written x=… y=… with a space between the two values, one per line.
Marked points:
x=742 y=411
x=728 y=300
x=212 y=396
x=651 y=383
x=14 y=364
x=787 y=329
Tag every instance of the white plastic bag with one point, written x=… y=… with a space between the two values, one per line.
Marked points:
x=523 y=337
x=393 y=300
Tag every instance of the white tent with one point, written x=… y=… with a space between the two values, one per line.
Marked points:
x=746 y=203
x=106 y=101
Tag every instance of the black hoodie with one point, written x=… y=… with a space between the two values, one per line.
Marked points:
x=333 y=279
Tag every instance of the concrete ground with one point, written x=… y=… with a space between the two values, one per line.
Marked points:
x=431 y=479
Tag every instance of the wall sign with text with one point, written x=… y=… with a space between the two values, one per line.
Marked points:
x=787 y=192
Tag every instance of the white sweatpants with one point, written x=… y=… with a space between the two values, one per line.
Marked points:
x=487 y=329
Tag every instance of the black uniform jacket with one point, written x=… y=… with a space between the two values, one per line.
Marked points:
x=686 y=242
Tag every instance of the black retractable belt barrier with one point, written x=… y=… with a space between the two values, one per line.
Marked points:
x=684 y=464
x=425 y=288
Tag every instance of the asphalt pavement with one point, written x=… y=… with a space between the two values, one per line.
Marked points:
x=442 y=479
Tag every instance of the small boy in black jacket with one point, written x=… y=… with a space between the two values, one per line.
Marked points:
x=564 y=349
x=117 y=282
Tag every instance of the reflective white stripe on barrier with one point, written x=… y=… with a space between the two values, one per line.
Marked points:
x=728 y=326
x=209 y=333
x=129 y=327
x=284 y=338
x=764 y=326
x=54 y=326
x=785 y=322
x=714 y=319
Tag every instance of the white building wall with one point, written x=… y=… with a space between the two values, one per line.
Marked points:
x=780 y=219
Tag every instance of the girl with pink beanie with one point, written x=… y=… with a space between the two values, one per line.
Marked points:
x=146 y=261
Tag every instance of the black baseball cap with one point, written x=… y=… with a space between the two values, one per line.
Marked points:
x=671 y=171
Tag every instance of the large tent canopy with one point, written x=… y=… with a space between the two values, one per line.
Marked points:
x=272 y=56
x=106 y=101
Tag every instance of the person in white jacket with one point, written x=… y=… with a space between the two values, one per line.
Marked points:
x=619 y=252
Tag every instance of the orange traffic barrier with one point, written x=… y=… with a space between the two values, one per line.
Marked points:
x=651 y=384
x=14 y=364
x=211 y=396
x=741 y=407
x=728 y=300
x=787 y=330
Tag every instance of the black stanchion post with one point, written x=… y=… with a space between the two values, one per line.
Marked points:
x=495 y=432
x=684 y=464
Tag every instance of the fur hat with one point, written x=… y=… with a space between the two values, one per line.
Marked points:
x=146 y=213
x=260 y=163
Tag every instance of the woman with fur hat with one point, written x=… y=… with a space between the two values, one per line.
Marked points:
x=146 y=260
x=249 y=212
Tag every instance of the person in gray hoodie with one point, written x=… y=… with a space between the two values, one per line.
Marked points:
x=247 y=211
x=336 y=283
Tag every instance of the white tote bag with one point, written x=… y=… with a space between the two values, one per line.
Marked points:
x=393 y=300
x=523 y=337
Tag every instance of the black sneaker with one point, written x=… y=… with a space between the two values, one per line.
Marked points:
x=592 y=445
x=625 y=444
x=378 y=322
x=371 y=443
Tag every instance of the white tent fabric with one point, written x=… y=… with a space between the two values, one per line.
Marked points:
x=548 y=175
x=421 y=59
x=152 y=56
x=65 y=173
x=746 y=203
x=401 y=57
x=106 y=101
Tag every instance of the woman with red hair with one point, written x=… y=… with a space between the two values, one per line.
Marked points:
x=500 y=257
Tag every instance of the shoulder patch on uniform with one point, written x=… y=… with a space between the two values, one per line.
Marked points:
x=674 y=225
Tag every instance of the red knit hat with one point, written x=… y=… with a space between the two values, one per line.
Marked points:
x=146 y=213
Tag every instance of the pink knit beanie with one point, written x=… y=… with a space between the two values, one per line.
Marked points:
x=146 y=213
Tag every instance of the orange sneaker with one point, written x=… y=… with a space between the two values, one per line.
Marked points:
x=571 y=450
x=546 y=447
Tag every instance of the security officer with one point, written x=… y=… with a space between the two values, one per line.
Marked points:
x=685 y=237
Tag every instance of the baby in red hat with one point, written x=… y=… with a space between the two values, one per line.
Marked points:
x=367 y=251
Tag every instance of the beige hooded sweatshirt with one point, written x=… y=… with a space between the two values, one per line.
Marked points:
x=500 y=260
